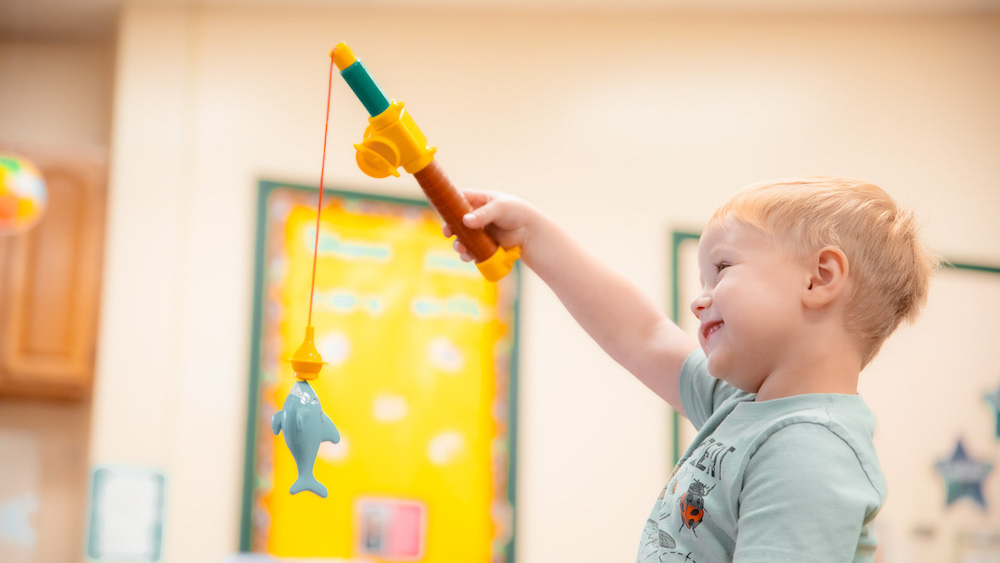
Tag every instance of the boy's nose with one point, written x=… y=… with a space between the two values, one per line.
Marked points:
x=700 y=303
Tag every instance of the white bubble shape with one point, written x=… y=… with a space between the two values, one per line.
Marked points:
x=445 y=356
x=334 y=452
x=335 y=348
x=445 y=447
x=390 y=408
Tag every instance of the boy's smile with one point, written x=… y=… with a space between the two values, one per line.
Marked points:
x=709 y=328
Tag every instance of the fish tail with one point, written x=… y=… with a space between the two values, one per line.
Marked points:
x=308 y=483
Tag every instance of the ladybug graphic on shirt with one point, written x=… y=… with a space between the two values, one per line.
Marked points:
x=692 y=505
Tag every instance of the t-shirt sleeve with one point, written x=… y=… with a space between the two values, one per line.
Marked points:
x=805 y=498
x=701 y=393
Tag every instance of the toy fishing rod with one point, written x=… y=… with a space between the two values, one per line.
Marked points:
x=393 y=139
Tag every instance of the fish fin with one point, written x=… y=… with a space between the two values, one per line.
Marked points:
x=276 y=423
x=330 y=432
x=308 y=483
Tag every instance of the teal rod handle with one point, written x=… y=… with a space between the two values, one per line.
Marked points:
x=360 y=80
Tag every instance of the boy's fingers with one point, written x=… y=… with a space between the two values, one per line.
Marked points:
x=483 y=216
x=476 y=198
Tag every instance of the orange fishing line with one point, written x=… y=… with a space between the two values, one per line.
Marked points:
x=319 y=206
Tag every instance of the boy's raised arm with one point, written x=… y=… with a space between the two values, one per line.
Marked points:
x=625 y=322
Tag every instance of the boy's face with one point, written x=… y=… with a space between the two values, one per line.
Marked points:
x=750 y=306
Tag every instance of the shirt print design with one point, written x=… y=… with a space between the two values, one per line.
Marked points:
x=701 y=473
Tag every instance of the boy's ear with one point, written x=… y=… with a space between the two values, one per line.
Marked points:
x=827 y=277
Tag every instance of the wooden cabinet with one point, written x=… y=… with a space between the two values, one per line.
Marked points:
x=50 y=280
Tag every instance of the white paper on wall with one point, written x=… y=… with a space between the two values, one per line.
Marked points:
x=127 y=511
x=928 y=389
x=19 y=501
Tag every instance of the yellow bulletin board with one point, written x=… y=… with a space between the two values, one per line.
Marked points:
x=421 y=382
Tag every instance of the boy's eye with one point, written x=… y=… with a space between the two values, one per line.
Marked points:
x=721 y=266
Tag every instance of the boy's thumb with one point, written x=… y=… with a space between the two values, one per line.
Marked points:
x=480 y=217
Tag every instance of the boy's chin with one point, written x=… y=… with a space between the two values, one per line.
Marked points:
x=718 y=367
x=721 y=369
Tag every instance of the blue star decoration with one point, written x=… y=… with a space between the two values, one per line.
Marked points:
x=994 y=400
x=963 y=476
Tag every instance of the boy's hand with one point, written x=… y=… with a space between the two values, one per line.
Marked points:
x=504 y=217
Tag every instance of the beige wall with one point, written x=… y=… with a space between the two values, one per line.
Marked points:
x=621 y=127
x=54 y=95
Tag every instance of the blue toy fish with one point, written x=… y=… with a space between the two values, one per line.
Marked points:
x=305 y=426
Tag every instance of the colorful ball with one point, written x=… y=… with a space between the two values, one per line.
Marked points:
x=23 y=197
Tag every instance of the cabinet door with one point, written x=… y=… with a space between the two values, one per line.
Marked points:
x=50 y=284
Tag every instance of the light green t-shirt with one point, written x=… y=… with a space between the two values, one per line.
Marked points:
x=792 y=479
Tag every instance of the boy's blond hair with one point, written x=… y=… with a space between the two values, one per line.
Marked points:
x=888 y=263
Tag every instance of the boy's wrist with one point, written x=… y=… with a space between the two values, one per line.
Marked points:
x=544 y=241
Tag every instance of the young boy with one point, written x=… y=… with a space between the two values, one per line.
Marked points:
x=802 y=281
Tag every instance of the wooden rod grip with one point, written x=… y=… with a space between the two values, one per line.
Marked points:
x=452 y=206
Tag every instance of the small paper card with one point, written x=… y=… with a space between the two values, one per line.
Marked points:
x=392 y=529
x=126 y=514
